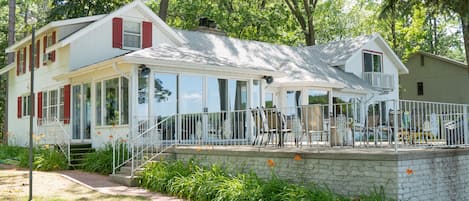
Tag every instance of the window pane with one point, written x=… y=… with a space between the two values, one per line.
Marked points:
x=318 y=97
x=191 y=92
x=53 y=105
x=44 y=105
x=142 y=107
x=76 y=109
x=131 y=40
x=61 y=104
x=112 y=101
x=376 y=63
x=237 y=94
x=132 y=27
x=98 y=103
x=256 y=93
x=216 y=92
x=165 y=94
x=125 y=101
x=368 y=62
x=87 y=110
x=269 y=100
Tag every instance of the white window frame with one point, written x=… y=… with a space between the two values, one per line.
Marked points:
x=119 y=102
x=133 y=34
x=47 y=104
x=373 y=61
x=25 y=101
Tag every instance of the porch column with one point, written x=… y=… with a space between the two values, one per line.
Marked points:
x=133 y=100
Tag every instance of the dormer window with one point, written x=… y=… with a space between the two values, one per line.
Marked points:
x=132 y=35
x=372 y=61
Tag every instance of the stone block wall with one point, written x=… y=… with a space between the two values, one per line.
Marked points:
x=408 y=175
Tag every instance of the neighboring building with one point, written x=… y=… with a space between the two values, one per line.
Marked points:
x=102 y=76
x=435 y=78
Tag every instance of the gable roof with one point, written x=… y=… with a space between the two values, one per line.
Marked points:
x=301 y=65
x=442 y=58
x=52 y=25
x=138 y=4
x=339 y=52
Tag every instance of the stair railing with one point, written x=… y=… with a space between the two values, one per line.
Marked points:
x=55 y=133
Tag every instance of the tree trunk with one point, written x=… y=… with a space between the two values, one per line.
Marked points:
x=465 y=31
x=11 y=59
x=163 y=13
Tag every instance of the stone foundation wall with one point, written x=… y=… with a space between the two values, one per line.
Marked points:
x=407 y=175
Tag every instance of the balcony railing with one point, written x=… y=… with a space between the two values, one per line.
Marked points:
x=380 y=80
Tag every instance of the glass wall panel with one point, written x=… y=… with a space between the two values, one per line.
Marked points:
x=269 y=100
x=165 y=97
x=237 y=94
x=76 y=109
x=293 y=101
x=318 y=97
x=98 y=104
x=87 y=111
x=256 y=94
x=112 y=101
x=191 y=94
x=143 y=89
x=124 y=101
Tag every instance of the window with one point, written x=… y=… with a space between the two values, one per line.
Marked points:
x=256 y=93
x=26 y=100
x=132 y=34
x=48 y=42
x=53 y=104
x=420 y=88
x=112 y=101
x=372 y=62
x=269 y=99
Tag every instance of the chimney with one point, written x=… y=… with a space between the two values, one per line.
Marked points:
x=207 y=25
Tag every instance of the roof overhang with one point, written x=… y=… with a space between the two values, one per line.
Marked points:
x=228 y=70
x=7 y=68
x=52 y=25
x=444 y=59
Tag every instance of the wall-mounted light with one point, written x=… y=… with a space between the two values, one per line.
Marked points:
x=268 y=79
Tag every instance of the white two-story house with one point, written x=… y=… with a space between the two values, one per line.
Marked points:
x=100 y=77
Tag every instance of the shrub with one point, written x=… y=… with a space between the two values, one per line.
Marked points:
x=99 y=161
x=195 y=182
x=10 y=152
x=45 y=159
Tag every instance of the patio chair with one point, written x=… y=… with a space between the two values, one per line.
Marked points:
x=313 y=121
x=268 y=123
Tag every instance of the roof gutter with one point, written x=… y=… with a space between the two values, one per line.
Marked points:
x=114 y=66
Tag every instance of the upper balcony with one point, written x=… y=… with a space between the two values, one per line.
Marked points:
x=380 y=80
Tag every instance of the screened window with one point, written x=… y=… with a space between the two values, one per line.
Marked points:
x=132 y=34
x=372 y=62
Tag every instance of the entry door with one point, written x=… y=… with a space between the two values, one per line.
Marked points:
x=81 y=111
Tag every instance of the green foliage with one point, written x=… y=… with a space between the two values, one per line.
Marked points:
x=100 y=161
x=10 y=152
x=195 y=182
x=45 y=159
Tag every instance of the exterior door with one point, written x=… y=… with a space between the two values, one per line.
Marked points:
x=81 y=111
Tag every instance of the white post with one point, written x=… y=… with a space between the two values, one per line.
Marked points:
x=466 y=124
x=396 y=125
x=250 y=105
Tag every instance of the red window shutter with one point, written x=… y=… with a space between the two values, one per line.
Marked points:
x=53 y=42
x=38 y=53
x=147 y=34
x=17 y=63
x=66 y=104
x=20 y=104
x=39 y=105
x=44 y=46
x=30 y=57
x=24 y=60
x=117 y=32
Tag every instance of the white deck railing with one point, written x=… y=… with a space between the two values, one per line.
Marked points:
x=379 y=80
x=355 y=125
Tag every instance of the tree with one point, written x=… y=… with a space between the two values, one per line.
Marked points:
x=61 y=10
x=304 y=14
x=163 y=13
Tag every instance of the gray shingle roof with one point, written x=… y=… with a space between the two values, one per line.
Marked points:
x=306 y=66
